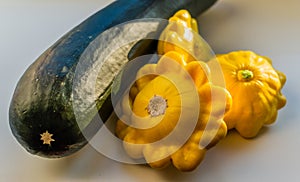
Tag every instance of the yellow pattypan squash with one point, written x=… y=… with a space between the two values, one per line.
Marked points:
x=181 y=35
x=255 y=87
x=171 y=117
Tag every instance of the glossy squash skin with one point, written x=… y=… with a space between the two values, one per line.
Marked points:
x=255 y=86
x=42 y=101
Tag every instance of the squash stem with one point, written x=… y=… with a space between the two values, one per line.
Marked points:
x=245 y=75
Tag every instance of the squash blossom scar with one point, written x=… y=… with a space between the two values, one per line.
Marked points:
x=157 y=106
x=46 y=137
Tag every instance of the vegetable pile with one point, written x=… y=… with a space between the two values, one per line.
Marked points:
x=175 y=110
x=56 y=107
x=163 y=96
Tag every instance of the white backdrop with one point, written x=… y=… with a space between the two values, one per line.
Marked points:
x=270 y=28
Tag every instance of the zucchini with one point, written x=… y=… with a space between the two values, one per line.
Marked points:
x=41 y=114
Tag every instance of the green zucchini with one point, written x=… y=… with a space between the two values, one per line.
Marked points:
x=41 y=114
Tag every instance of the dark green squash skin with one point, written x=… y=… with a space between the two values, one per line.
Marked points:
x=42 y=98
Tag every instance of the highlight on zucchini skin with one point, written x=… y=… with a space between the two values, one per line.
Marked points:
x=41 y=115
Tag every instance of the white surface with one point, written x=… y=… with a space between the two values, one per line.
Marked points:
x=268 y=27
